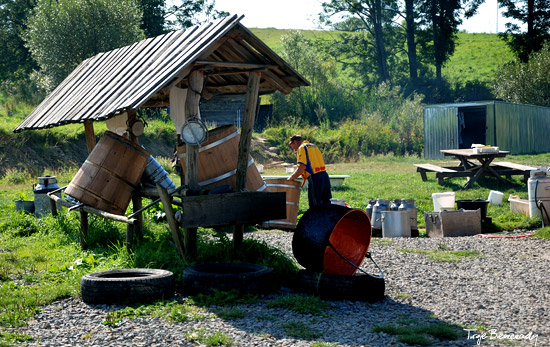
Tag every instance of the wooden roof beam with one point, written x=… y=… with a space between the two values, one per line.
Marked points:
x=228 y=64
x=277 y=82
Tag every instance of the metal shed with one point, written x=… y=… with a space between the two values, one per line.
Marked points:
x=518 y=128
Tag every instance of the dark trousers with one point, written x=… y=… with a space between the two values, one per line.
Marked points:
x=318 y=189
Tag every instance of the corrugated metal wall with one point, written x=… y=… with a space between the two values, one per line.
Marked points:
x=440 y=130
x=518 y=128
x=522 y=129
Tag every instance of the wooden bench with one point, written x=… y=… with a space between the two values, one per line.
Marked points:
x=508 y=169
x=441 y=172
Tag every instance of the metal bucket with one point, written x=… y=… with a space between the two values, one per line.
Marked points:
x=42 y=204
x=332 y=239
x=156 y=174
x=396 y=224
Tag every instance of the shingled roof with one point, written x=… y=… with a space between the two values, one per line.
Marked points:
x=142 y=74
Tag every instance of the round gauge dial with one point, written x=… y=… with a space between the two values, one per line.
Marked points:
x=193 y=132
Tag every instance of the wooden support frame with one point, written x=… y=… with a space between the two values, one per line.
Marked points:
x=247 y=126
x=174 y=228
x=195 y=85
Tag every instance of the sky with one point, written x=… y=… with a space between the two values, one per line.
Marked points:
x=303 y=14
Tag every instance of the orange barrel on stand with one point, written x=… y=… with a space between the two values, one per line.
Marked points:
x=110 y=174
x=292 y=190
x=218 y=160
x=332 y=239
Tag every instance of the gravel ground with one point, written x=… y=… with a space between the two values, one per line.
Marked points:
x=505 y=289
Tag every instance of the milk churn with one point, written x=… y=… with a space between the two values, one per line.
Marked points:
x=370 y=205
x=42 y=204
x=408 y=205
x=395 y=204
x=381 y=205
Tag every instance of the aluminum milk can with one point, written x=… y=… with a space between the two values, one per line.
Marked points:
x=42 y=204
x=370 y=205
x=381 y=205
x=408 y=205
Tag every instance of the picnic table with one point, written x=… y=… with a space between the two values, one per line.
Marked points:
x=474 y=165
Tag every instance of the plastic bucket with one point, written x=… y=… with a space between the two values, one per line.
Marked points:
x=218 y=161
x=332 y=239
x=495 y=197
x=474 y=205
x=396 y=224
x=292 y=190
x=110 y=174
x=444 y=201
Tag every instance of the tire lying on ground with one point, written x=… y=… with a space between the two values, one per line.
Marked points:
x=127 y=286
x=244 y=277
x=358 y=287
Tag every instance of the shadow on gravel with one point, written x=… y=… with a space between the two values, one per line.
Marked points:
x=330 y=323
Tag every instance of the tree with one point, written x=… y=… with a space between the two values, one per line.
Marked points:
x=528 y=82
x=441 y=19
x=191 y=12
x=325 y=100
x=15 y=59
x=535 y=14
x=370 y=16
x=152 y=22
x=63 y=33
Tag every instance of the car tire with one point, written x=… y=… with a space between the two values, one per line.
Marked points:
x=127 y=286
x=358 y=287
x=244 y=277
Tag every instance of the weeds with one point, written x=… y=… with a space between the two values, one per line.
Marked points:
x=300 y=330
x=300 y=304
x=217 y=338
x=422 y=335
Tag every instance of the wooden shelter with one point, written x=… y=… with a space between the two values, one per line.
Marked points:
x=214 y=58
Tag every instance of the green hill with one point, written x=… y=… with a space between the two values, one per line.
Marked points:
x=476 y=58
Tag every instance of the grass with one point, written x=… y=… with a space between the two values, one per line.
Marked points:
x=476 y=58
x=410 y=332
x=443 y=255
x=300 y=330
x=301 y=304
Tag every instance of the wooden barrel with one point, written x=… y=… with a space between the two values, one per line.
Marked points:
x=292 y=190
x=110 y=174
x=218 y=161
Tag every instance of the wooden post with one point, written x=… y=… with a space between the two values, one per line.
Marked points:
x=172 y=223
x=90 y=142
x=195 y=84
x=247 y=126
x=90 y=136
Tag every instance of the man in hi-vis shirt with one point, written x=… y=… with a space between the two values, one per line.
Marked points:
x=311 y=166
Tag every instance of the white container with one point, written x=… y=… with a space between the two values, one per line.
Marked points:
x=495 y=197
x=519 y=205
x=341 y=202
x=444 y=201
x=260 y=168
x=481 y=150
